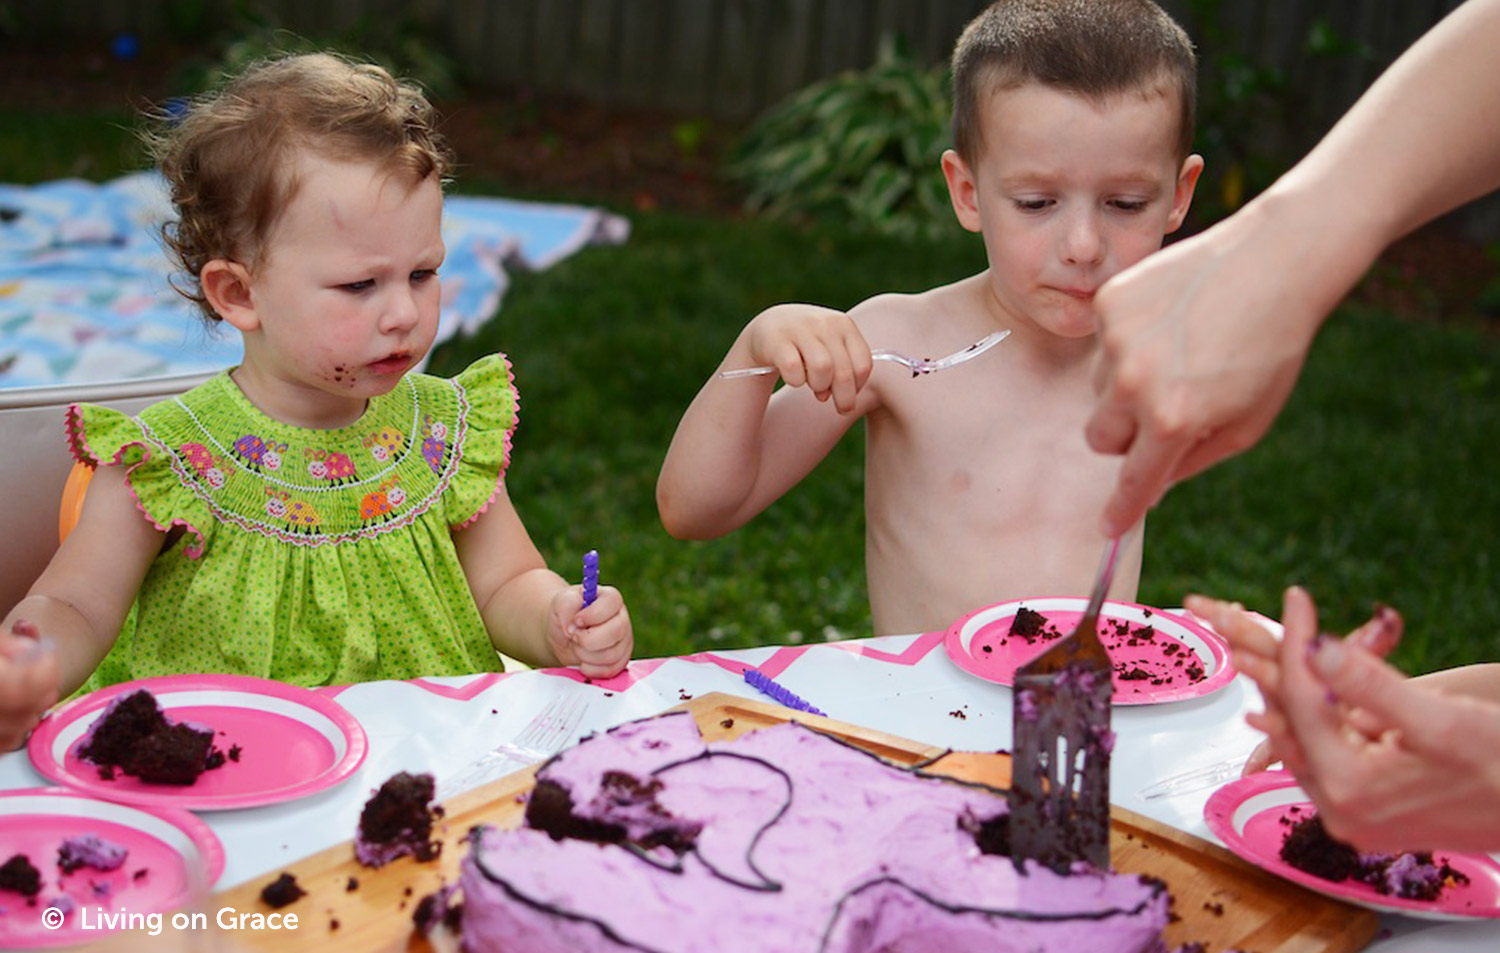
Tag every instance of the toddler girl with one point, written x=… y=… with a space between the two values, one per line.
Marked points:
x=318 y=514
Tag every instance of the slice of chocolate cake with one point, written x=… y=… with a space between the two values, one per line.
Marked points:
x=1410 y=875
x=397 y=820
x=134 y=736
x=127 y=721
x=174 y=754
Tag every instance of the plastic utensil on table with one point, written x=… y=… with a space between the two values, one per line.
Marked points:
x=1194 y=779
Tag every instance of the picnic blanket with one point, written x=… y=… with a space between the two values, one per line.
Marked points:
x=85 y=293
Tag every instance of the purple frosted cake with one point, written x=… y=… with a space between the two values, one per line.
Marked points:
x=647 y=837
x=92 y=851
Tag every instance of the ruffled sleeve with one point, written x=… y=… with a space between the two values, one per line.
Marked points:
x=99 y=436
x=488 y=413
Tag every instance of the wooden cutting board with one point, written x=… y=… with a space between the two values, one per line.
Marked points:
x=1220 y=900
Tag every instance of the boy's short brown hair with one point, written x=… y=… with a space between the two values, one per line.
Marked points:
x=229 y=160
x=1094 y=48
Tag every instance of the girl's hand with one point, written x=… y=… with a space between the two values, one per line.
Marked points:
x=818 y=348
x=29 y=682
x=597 y=638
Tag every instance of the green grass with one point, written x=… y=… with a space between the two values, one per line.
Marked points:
x=1370 y=487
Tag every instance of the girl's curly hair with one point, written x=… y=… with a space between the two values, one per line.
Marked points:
x=229 y=158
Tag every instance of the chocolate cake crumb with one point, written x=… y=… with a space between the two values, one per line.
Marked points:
x=19 y=875
x=1028 y=623
x=727 y=723
x=352 y=885
x=282 y=891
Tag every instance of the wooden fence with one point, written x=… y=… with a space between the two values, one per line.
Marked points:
x=731 y=58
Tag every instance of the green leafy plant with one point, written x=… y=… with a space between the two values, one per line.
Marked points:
x=862 y=147
x=1249 y=113
x=253 y=34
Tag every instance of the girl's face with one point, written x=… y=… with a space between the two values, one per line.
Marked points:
x=344 y=298
x=1067 y=192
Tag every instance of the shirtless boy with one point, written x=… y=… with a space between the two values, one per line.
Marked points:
x=1073 y=124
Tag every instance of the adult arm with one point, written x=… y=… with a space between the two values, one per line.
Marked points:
x=1203 y=341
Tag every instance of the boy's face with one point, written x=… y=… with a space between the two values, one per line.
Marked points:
x=344 y=298
x=1067 y=192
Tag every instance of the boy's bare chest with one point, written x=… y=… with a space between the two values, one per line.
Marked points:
x=1007 y=433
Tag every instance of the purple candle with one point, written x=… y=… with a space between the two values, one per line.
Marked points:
x=781 y=693
x=590 y=577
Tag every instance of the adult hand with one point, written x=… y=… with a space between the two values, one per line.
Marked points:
x=1390 y=762
x=1199 y=349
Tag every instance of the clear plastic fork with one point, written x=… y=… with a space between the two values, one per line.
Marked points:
x=917 y=365
x=545 y=735
x=1195 y=779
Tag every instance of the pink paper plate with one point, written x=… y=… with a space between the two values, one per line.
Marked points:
x=1180 y=658
x=293 y=742
x=1247 y=816
x=177 y=856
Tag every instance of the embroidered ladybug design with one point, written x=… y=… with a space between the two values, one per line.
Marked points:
x=299 y=513
x=382 y=503
x=385 y=443
x=434 y=447
x=203 y=463
x=259 y=453
x=329 y=465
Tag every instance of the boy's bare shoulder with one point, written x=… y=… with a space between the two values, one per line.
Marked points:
x=926 y=309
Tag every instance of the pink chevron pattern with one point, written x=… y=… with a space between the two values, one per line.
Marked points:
x=911 y=655
x=461 y=693
x=640 y=670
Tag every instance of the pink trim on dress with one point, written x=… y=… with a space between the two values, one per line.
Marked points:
x=83 y=453
x=515 y=418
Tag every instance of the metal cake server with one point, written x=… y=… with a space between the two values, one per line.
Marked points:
x=1060 y=756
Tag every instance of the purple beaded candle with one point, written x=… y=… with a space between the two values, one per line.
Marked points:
x=590 y=577
x=781 y=693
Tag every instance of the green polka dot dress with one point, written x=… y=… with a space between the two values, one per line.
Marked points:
x=315 y=557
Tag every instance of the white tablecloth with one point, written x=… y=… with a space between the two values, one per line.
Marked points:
x=905 y=685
